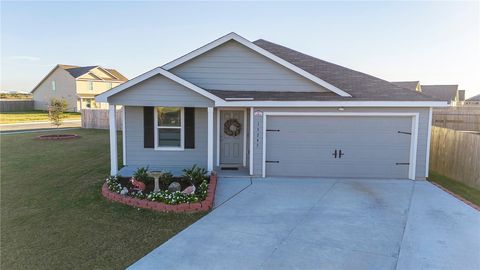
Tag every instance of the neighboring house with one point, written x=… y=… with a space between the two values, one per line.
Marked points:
x=447 y=93
x=410 y=85
x=461 y=97
x=473 y=101
x=77 y=85
x=267 y=110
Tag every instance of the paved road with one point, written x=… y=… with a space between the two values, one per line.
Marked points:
x=288 y=223
x=38 y=125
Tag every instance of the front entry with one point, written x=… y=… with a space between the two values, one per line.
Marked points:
x=232 y=128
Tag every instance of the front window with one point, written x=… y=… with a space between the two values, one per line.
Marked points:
x=53 y=86
x=90 y=86
x=109 y=86
x=169 y=127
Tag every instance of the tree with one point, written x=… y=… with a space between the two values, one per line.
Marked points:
x=56 y=111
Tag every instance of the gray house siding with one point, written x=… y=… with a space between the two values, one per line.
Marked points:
x=137 y=155
x=422 y=132
x=160 y=91
x=233 y=66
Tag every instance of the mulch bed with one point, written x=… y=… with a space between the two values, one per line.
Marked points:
x=54 y=137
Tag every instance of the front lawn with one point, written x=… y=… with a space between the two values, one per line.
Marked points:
x=469 y=193
x=32 y=116
x=53 y=215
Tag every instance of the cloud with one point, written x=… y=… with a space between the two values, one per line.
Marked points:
x=24 y=58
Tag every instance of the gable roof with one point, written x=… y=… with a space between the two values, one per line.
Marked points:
x=104 y=96
x=233 y=36
x=441 y=92
x=474 y=98
x=351 y=86
x=410 y=85
x=77 y=71
x=358 y=84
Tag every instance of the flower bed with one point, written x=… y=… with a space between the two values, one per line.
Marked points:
x=164 y=200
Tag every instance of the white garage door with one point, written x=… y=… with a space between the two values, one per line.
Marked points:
x=338 y=146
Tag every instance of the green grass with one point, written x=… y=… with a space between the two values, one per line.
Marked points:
x=32 y=116
x=469 y=193
x=54 y=217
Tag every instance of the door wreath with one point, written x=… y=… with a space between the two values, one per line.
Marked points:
x=232 y=127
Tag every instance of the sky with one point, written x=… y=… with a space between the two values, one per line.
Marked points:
x=434 y=42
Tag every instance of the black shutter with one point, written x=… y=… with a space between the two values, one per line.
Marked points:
x=189 y=128
x=148 y=127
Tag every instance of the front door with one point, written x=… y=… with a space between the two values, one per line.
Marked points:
x=232 y=128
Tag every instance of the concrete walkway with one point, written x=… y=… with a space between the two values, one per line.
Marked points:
x=326 y=224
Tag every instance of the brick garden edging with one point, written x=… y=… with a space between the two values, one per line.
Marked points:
x=204 y=205
x=467 y=202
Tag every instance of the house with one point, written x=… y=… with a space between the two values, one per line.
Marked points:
x=410 y=85
x=77 y=85
x=447 y=93
x=473 y=101
x=266 y=110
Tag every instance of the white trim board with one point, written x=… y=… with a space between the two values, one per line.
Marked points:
x=103 y=97
x=269 y=55
x=429 y=135
x=413 y=140
x=332 y=103
x=244 y=110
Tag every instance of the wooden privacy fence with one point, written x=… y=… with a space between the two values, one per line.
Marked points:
x=15 y=105
x=458 y=118
x=98 y=119
x=456 y=154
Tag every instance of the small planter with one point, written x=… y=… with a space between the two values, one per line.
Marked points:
x=58 y=137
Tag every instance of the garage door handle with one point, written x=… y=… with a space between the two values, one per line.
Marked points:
x=340 y=154
x=335 y=153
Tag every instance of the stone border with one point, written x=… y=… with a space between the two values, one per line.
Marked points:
x=202 y=206
x=467 y=202
x=57 y=137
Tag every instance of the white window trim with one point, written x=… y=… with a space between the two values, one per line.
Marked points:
x=182 y=131
x=54 y=86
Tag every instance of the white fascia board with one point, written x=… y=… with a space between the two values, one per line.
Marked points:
x=104 y=96
x=247 y=43
x=332 y=104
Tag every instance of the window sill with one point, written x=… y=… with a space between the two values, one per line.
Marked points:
x=169 y=149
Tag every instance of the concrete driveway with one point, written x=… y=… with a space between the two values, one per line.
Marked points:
x=286 y=223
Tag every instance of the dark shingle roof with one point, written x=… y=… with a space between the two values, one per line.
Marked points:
x=410 y=85
x=360 y=85
x=474 y=98
x=441 y=92
x=77 y=71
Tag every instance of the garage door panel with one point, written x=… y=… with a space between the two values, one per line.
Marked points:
x=372 y=146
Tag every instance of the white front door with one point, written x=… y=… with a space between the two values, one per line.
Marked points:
x=232 y=128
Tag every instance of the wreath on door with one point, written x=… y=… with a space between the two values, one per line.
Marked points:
x=232 y=127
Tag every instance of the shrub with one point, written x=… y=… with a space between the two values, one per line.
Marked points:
x=166 y=179
x=141 y=174
x=195 y=175
x=56 y=111
x=113 y=184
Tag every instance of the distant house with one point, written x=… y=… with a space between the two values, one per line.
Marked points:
x=410 y=85
x=447 y=93
x=473 y=101
x=77 y=85
x=461 y=97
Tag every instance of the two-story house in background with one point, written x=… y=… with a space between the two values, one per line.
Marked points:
x=77 y=85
